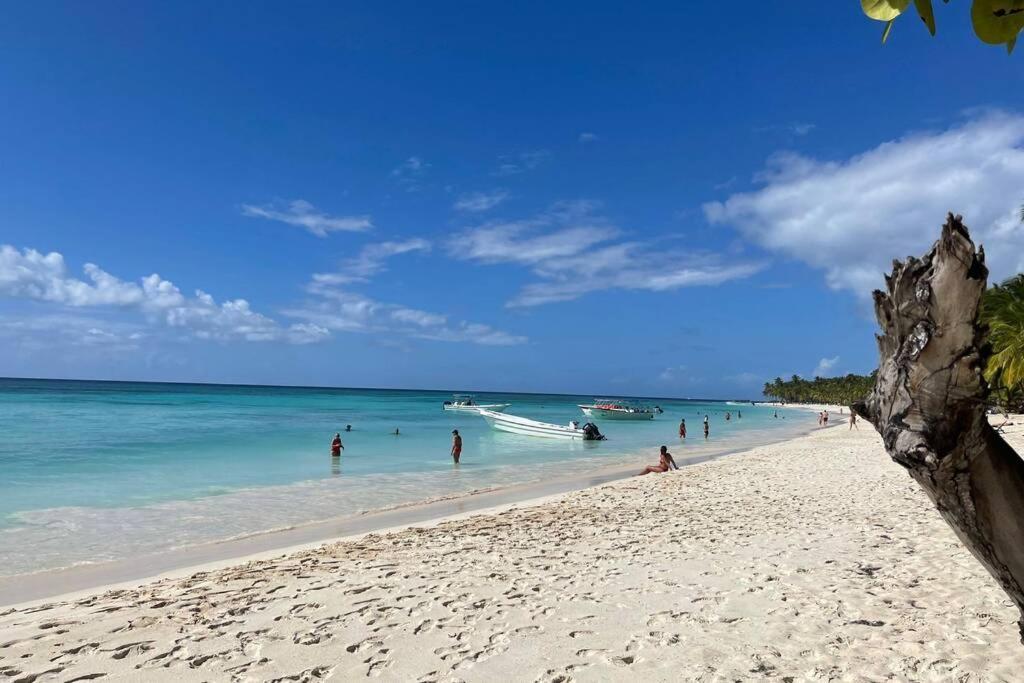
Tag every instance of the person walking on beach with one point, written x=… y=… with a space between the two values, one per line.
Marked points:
x=664 y=462
x=337 y=446
x=853 y=421
x=456 y=446
x=824 y=418
x=682 y=428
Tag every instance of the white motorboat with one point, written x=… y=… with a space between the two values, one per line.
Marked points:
x=528 y=427
x=467 y=403
x=608 y=409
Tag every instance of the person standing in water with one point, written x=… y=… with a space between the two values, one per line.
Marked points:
x=682 y=428
x=707 y=427
x=337 y=446
x=664 y=462
x=456 y=446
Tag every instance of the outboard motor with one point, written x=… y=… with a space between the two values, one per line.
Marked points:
x=592 y=433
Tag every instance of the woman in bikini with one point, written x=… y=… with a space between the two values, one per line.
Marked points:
x=663 y=463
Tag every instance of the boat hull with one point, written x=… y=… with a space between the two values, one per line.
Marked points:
x=605 y=414
x=521 y=425
x=496 y=407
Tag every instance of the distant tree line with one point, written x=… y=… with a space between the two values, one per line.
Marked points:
x=1002 y=311
x=836 y=390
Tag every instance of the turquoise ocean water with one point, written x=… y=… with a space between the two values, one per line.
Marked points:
x=95 y=471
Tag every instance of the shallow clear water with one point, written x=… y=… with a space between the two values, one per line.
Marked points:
x=93 y=471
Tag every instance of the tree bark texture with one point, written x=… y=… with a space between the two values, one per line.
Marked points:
x=929 y=403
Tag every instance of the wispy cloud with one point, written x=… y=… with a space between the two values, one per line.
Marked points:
x=301 y=213
x=566 y=229
x=587 y=137
x=333 y=306
x=794 y=128
x=410 y=173
x=851 y=217
x=370 y=261
x=478 y=202
x=673 y=374
x=522 y=162
x=743 y=378
x=34 y=276
x=70 y=330
x=824 y=367
x=337 y=309
x=570 y=249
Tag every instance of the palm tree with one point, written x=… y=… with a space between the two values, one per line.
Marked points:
x=1003 y=312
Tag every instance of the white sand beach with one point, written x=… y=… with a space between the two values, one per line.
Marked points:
x=813 y=559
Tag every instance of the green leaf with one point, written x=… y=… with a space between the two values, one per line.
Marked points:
x=924 y=10
x=888 y=28
x=997 y=21
x=884 y=10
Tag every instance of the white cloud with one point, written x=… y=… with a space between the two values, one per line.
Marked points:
x=477 y=202
x=850 y=218
x=410 y=172
x=333 y=308
x=34 y=276
x=824 y=367
x=561 y=246
x=71 y=330
x=673 y=374
x=587 y=137
x=522 y=162
x=369 y=262
x=301 y=213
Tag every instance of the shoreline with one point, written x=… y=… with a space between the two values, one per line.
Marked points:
x=19 y=590
x=815 y=558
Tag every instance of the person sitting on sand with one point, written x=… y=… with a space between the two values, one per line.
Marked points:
x=337 y=446
x=663 y=463
x=456 y=446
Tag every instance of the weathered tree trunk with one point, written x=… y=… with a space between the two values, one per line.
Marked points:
x=929 y=402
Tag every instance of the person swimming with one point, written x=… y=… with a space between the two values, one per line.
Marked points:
x=337 y=446
x=665 y=461
x=348 y=428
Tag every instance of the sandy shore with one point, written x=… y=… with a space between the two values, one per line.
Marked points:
x=814 y=559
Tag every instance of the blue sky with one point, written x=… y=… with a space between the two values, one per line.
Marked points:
x=585 y=197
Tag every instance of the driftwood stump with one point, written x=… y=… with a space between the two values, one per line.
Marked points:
x=929 y=404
